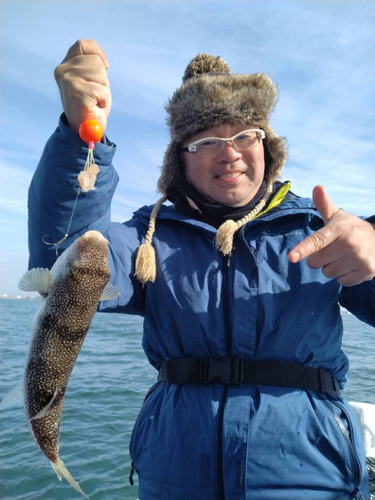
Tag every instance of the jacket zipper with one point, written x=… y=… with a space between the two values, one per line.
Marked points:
x=356 y=466
x=132 y=466
x=228 y=339
x=355 y=460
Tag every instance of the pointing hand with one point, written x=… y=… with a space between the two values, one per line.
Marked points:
x=344 y=248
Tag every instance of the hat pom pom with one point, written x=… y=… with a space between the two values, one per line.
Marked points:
x=204 y=63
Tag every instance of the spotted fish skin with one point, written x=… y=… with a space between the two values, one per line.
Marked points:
x=77 y=281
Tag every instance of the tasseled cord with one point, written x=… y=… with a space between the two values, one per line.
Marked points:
x=145 y=262
x=225 y=233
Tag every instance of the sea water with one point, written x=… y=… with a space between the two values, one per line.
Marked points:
x=104 y=396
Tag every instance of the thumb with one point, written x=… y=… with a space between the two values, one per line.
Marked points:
x=324 y=205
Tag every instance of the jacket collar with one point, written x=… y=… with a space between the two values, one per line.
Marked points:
x=283 y=202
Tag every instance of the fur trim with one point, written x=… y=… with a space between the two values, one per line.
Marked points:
x=205 y=63
x=210 y=99
x=211 y=95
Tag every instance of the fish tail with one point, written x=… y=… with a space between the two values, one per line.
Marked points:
x=62 y=472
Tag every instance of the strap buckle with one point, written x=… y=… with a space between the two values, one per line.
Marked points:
x=228 y=370
x=327 y=381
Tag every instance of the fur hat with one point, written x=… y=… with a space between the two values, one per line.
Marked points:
x=211 y=95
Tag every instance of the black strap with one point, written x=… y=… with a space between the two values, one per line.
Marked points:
x=237 y=371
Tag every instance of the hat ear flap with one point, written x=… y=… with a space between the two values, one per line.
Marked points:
x=277 y=152
x=172 y=168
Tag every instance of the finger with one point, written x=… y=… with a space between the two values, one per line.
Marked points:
x=89 y=68
x=86 y=47
x=351 y=279
x=313 y=243
x=324 y=257
x=94 y=94
x=103 y=97
x=324 y=205
x=89 y=100
x=338 y=269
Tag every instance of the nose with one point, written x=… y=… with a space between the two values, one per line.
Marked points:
x=229 y=153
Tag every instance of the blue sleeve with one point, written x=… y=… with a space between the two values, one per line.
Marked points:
x=360 y=301
x=52 y=196
x=53 y=192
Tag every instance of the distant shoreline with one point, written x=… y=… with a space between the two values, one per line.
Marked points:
x=19 y=297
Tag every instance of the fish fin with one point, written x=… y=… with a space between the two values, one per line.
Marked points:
x=62 y=472
x=37 y=279
x=110 y=292
x=13 y=398
x=47 y=409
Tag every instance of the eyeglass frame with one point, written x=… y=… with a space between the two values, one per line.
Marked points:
x=192 y=147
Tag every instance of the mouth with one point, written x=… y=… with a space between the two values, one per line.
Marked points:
x=232 y=175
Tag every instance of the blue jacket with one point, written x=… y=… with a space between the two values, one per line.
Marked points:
x=213 y=442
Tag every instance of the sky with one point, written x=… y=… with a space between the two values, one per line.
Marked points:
x=320 y=53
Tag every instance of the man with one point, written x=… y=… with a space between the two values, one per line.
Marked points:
x=245 y=332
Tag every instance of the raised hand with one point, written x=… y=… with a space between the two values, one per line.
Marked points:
x=83 y=83
x=344 y=248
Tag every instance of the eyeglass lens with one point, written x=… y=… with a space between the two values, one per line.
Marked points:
x=216 y=146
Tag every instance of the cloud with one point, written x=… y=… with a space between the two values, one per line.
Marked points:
x=319 y=53
x=13 y=189
x=13 y=266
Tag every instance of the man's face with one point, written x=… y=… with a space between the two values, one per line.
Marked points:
x=231 y=177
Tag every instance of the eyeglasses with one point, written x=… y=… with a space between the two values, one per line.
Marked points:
x=212 y=146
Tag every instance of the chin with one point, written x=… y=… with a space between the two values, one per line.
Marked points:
x=234 y=202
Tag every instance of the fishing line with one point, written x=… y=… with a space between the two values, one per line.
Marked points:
x=66 y=235
x=91 y=132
